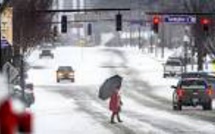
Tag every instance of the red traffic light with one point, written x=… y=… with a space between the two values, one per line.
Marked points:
x=155 y=25
x=205 y=21
x=156 y=20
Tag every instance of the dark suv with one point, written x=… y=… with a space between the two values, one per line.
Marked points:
x=192 y=92
x=46 y=53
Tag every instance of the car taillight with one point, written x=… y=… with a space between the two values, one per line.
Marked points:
x=209 y=91
x=180 y=92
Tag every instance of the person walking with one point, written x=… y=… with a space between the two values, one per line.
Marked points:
x=115 y=106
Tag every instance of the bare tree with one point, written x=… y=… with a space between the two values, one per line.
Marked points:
x=202 y=39
x=30 y=27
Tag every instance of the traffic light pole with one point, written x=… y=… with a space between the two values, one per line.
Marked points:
x=185 y=56
x=162 y=41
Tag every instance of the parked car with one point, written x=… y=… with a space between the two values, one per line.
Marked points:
x=172 y=67
x=65 y=72
x=29 y=97
x=46 y=53
x=192 y=92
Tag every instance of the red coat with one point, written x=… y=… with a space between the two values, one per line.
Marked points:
x=114 y=104
x=9 y=121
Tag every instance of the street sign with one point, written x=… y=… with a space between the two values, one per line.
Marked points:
x=180 y=19
x=10 y=71
x=4 y=43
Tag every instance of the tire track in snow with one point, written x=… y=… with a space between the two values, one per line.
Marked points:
x=82 y=95
x=160 y=106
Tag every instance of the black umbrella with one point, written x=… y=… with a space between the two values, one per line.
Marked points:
x=109 y=86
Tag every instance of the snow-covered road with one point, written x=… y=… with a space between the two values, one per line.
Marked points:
x=67 y=108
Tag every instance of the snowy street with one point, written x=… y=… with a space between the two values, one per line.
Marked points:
x=67 y=108
x=107 y=67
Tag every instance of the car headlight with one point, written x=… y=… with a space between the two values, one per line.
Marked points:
x=71 y=74
x=59 y=74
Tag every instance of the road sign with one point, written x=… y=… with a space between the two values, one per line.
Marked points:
x=180 y=19
x=10 y=71
x=4 y=43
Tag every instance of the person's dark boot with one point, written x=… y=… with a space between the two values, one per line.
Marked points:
x=112 y=119
x=112 y=122
x=118 y=118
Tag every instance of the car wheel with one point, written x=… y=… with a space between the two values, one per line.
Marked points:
x=72 y=80
x=58 y=80
x=164 y=75
x=207 y=106
x=179 y=107
x=175 y=107
x=204 y=107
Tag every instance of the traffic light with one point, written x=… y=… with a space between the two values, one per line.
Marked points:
x=55 y=31
x=64 y=24
x=118 y=22
x=205 y=22
x=89 y=29
x=155 y=25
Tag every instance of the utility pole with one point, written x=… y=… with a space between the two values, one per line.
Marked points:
x=162 y=34
x=21 y=54
x=139 y=26
x=186 y=40
x=151 y=42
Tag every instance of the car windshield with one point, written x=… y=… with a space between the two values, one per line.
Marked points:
x=193 y=75
x=65 y=68
x=210 y=79
x=173 y=63
x=193 y=84
x=46 y=51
